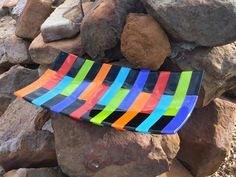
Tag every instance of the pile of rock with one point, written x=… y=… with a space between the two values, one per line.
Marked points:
x=167 y=35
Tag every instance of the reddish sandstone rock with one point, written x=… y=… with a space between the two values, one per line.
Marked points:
x=34 y=14
x=206 y=137
x=87 y=150
x=45 y=53
x=31 y=149
x=101 y=29
x=144 y=43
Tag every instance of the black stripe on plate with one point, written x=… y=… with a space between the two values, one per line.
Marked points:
x=151 y=82
x=136 y=121
x=59 y=61
x=75 y=67
x=74 y=106
x=54 y=101
x=112 y=74
x=93 y=112
x=93 y=72
x=160 y=124
x=113 y=117
x=37 y=93
x=195 y=83
x=131 y=78
x=172 y=83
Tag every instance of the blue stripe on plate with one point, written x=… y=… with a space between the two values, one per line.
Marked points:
x=135 y=90
x=52 y=93
x=182 y=115
x=156 y=114
x=72 y=98
x=115 y=87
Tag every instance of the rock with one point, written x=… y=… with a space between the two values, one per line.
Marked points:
x=13 y=49
x=2 y=171
x=17 y=50
x=65 y=21
x=31 y=149
x=206 y=137
x=176 y=170
x=33 y=16
x=4 y=64
x=3 y=11
x=143 y=42
x=48 y=126
x=56 y=3
x=87 y=150
x=9 y=3
x=45 y=53
x=218 y=64
x=14 y=79
x=101 y=29
x=18 y=9
x=231 y=94
x=21 y=117
x=207 y=23
x=35 y=172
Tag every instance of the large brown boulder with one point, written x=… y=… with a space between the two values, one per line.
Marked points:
x=143 y=42
x=102 y=27
x=21 y=117
x=33 y=16
x=30 y=149
x=207 y=23
x=206 y=137
x=86 y=150
x=218 y=64
x=14 y=79
x=46 y=53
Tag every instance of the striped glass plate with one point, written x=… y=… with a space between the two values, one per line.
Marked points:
x=119 y=97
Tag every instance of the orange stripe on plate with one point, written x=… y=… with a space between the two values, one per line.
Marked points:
x=35 y=85
x=89 y=104
x=96 y=82
x=136 y=107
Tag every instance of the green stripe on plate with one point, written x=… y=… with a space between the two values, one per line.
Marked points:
x=111 y=106
x=78 y=78
x=180 y=93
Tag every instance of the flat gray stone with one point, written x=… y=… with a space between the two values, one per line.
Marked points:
x=57 y=26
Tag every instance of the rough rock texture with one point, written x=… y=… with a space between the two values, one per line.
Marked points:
x=218 y=63
x=3 y=11
x=14 y=79
x=176 y=170
x=18 y=9
x=21 y=117
x=206 y=137
x=101 y=29
x=14 y=49
x=9 y=3
x=4 y=63
x=34 y=172
x=45 y=53
x=2 y=171
x=31 y=149
x=208 y=23
x=33 y=16
x=65 y=21
x=143 y=42
x=94 y=151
